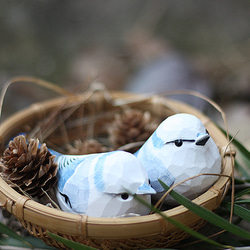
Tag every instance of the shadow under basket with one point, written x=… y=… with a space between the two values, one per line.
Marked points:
x=85 y=115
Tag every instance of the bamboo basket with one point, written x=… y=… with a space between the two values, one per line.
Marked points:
x=150 y=231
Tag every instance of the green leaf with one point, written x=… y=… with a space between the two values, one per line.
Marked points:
x=242 y=149
x=242 y=169
x=243 y=154
x=239 y=211
x=69 y=243
x=242 y=192
x=182 y=226
x=238 y=144
x=6 y=241
x=207 y=214
x=12 y=234
x=247 y=201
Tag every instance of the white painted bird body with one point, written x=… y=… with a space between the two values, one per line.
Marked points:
x=100 y=184
x=178 y=149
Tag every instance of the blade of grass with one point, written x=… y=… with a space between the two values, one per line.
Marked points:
x=242 y=169
x=244 y=152
x=243 y=192
x=207 y=214
x=72 y=244
x=239 y=211
x=247 y=201
x=12 y=234
x=15 y=244
x=242 y=160
x=182 y=226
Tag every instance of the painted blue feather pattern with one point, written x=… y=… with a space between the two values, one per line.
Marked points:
x=77 y=184
x=98 y=176
x=148 y=155
x=66 y=168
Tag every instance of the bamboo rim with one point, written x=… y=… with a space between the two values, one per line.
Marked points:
x=30 y=212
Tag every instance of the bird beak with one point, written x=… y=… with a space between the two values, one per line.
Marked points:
x=145 y=189
x=202 y=139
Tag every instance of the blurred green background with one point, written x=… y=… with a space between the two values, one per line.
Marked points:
x=141 y=46
x=73 y=43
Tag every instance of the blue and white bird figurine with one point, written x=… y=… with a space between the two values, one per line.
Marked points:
x=178 y=149
x=101 y=185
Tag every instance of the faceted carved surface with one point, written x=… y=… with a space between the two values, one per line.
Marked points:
x=181 y=148
x=99 y=184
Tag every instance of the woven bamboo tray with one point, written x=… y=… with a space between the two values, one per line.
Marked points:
x=150 y=231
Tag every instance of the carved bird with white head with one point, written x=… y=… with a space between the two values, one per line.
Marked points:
x=103 y=184
x=180 y=148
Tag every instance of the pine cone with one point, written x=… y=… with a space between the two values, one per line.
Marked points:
x=131 y=126
x=86 y=147
x=27 y=168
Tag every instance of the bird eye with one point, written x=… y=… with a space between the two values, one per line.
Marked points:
x=124 y=196
x=178 y=143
